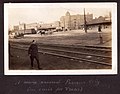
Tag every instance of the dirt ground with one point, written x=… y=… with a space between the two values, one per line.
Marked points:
x=21 y=60
x=75 y=37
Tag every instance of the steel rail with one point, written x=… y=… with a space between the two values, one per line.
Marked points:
x=74 y=52
x=108 y=49
x=65 y=56
x=82 y=47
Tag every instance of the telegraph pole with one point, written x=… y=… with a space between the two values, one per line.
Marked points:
x=85 y=26
x=24 y=28
x=64 y=24
x=110 y=16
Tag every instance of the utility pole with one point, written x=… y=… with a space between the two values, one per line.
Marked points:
x=110 y=16
x=24 y=28
x=64 y=24
x=85 y=26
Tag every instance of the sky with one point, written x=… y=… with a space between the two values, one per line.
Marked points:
x=49 y=12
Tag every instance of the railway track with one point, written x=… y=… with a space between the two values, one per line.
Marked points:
x=97 y=55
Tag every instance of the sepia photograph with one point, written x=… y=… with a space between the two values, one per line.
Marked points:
x=60 y=38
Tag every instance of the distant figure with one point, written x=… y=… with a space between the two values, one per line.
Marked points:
x=33 y=53
x=100 y=34
x=99 y=28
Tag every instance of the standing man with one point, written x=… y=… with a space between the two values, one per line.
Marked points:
x=100 y=34
x=33 y=53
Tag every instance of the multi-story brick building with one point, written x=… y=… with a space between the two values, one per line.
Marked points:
x=74 y=21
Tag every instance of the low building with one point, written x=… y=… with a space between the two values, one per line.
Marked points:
x=31 y=26
x=26 y=31
x=22 y=26
x=56 y=24
x=105 y=23
x=16 y=27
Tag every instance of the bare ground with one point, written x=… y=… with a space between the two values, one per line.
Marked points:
x=21 y=61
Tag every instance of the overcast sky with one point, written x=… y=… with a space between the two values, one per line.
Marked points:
x=50 y=12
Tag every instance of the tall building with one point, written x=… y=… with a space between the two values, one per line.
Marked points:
x=74 y=21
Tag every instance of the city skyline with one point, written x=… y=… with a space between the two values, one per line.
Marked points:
x=48 y=13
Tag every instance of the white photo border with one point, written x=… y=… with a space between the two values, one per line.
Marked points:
x=113 y=71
